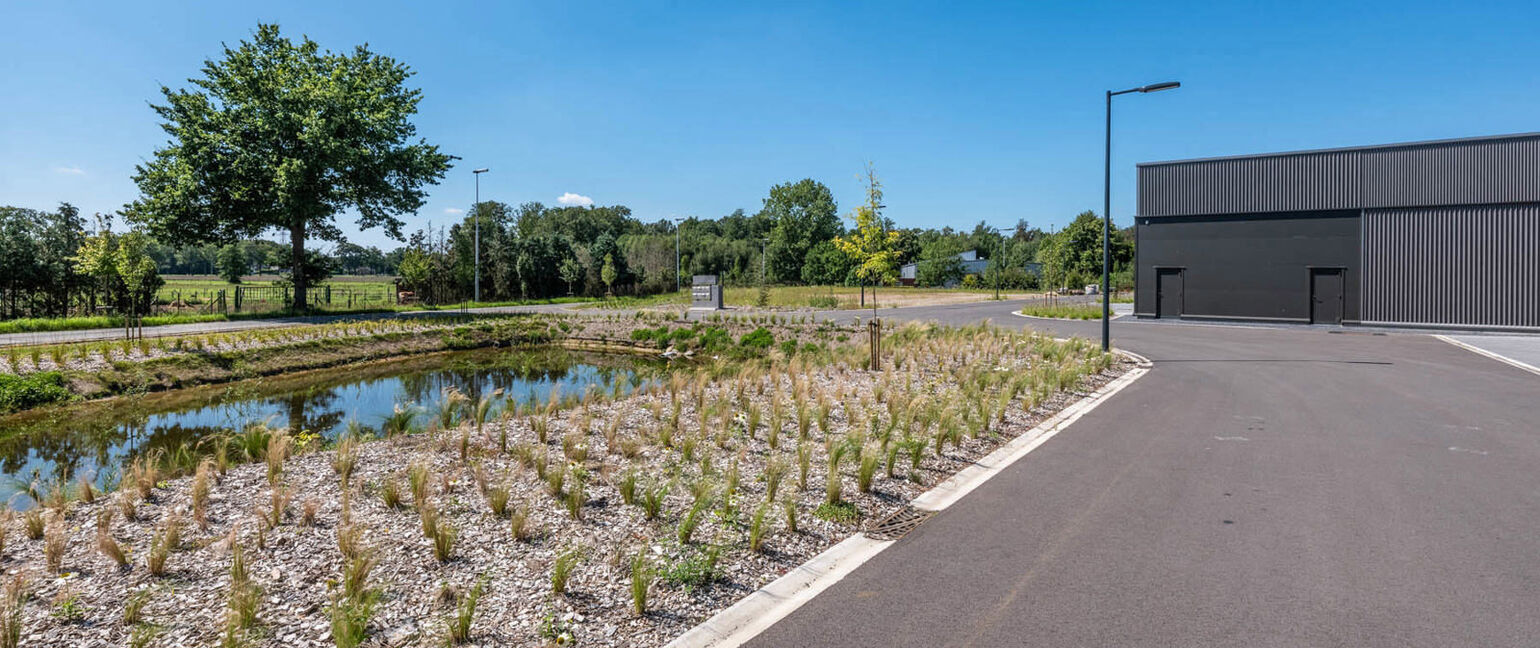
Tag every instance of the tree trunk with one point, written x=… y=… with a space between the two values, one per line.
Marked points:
x=297 y=267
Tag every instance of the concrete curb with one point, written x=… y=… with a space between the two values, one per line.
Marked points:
x=1064 y=319
x=767 y=605
x=1495 y=356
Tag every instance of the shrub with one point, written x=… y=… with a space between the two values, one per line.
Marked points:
x=760 y=338
x=32 y=390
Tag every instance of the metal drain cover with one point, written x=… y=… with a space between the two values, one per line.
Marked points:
x=898 y=523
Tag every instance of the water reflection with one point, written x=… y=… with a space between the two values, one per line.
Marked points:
x=95 y=440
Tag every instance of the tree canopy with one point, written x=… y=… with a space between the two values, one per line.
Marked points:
x=803 y=214
x=278 y=135
x=871 y=245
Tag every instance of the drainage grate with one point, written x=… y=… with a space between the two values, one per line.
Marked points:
x=898 y=523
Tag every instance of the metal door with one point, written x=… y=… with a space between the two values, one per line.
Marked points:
x=1168 y=292
x=1326 y=295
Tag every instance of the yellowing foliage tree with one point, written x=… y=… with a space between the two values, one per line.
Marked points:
x=871 y=246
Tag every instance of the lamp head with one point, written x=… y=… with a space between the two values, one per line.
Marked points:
x=1157 y=87
x=480 y=170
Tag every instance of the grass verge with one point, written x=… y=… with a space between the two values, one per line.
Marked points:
x=1074 y=312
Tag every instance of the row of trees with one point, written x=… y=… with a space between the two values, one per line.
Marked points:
x=50 y=266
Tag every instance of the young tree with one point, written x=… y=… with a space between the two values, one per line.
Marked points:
x=571 y=272
x=279 y=135
x=609 y=274
x=871 y=245
x=233 y=263
x=121 y=266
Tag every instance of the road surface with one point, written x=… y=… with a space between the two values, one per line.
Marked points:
x=1259 y=487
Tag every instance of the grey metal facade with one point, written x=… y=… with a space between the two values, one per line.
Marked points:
x=1445 y=233
x=1250 y=266
x=1458 y=266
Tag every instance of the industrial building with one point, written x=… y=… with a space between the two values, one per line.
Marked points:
x=1441 y=234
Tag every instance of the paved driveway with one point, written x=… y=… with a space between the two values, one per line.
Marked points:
x=1522 y=349
x=1260 y=487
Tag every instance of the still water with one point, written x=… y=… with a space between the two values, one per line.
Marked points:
x=95 y=440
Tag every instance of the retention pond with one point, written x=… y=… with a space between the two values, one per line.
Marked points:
x=95 y=440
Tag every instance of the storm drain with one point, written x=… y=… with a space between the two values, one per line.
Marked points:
x=895 y=525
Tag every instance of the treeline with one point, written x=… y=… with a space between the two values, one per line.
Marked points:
x=263 y=256
x=50 y=266
x=534 y=251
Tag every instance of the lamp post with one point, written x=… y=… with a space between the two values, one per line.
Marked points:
x=477 y=212
x=998 y=260
x=677 y=224
x=1107 y=209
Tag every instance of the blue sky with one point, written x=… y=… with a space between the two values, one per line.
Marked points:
x=970 y=111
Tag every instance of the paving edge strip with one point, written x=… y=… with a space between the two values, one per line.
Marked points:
x=1491 y=354
x=767 y=605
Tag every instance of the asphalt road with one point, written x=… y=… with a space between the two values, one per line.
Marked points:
x=1259 y=487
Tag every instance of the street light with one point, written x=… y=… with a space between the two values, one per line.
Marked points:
x=1107 y=210
x=477 y=212
x=999 y=254
x=677 y=220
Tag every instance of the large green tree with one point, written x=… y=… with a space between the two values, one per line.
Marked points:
x=802 y=214
x=1073 y=256
x=278 y=135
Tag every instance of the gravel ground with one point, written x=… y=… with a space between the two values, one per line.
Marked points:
x=298 y=564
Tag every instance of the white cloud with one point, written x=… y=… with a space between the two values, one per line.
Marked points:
x=575 y=200
x=69 y=170
x=452 y=211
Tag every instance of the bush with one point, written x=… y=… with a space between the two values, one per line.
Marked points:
x=714 y=338
x=23 y=392
x=932 y=273
x=760 y=338
x=826 y=302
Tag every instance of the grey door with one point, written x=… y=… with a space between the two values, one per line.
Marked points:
x=1326 y=295
x=1168 y=292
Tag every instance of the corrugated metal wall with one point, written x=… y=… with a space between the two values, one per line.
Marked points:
x=1302 y=182
x=1461 y=266
x=1465 y=173
x=1455 y=172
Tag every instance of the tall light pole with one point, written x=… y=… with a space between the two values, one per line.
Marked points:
x=678 y=223
x=998 y=260
x=477 y=212
x=1107 y=209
